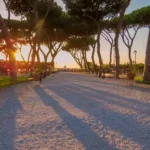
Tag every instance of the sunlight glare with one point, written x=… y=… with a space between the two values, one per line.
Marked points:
x=25 y=52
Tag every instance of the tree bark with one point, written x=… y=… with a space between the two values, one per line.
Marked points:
x=110 y=56
x=147 y=60
x=6 y=57
x=29 y=55
x=53 y=62
x=25 y=62
x=106 y=35
x=11 y=49
x=37 y=29
x=53 y=58
x=78 y=60
x=119 y=26
x=88 y=67
x=54 y=51
x=80 y=64
x=7 y=6
x=98 y=50
x=38 y=57
x=130 y=57
x=45 y=65
x=128 y=41
x=35 y=42
x=93 y=60
x=84 y=59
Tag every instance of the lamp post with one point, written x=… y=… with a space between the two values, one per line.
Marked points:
x=135 y=52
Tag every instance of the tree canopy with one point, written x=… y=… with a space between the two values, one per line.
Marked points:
x=79 y=29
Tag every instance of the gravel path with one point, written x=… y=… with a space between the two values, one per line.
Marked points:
x=75 y=112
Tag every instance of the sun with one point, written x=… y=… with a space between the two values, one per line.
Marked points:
x=18 y=56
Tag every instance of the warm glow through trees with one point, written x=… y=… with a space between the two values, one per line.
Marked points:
x=25 y=52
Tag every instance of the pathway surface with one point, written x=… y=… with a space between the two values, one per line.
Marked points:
x=75 y=112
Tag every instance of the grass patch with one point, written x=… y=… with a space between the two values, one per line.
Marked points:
x=139 y=79
x=6 y=81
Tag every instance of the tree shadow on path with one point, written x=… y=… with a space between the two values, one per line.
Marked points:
x=8 y=112
x=118 y=100
x=116 y=84
x=79 y=128
x=125 y=124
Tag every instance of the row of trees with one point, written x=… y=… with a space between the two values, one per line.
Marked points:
x=76 y=31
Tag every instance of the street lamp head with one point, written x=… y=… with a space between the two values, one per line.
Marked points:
x=135 y=51
x=135 y=55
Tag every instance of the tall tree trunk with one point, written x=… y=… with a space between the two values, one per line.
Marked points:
x=8 y=9
x=119 y=26
x=37 y=29
x=147 y=60
x=93 y=60
x=28 y=60
x=6 y=57
x=107 y=36
x=84 y=60
x=25 y=62
x=13 y=65
x=110 y=56
x=117 y=57
x=11 y=49
x=78 y=61
x=80 y=64
x=128 y=41
x=45 y=65
x=36 y=37
x=53 y=62
x=32 y=61
x=130 y=57
x=98 y=50
x=38 y=57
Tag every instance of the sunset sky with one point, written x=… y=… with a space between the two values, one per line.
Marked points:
x=65 y=59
